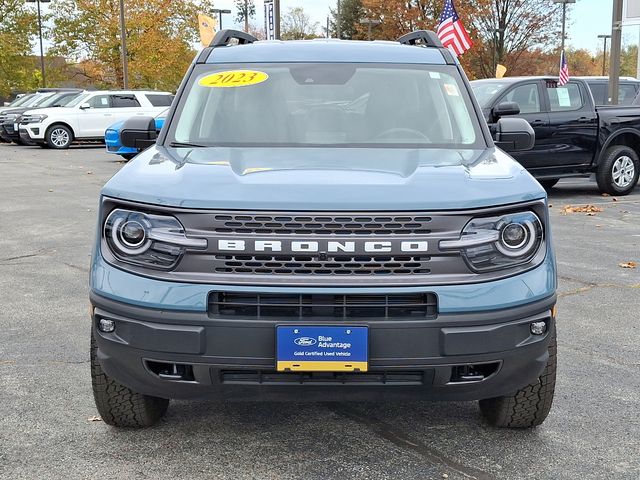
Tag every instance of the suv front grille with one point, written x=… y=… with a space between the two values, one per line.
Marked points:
x=338 y=224
x=250 y=304
x=307 y=265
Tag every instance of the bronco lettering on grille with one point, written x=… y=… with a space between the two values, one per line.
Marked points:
x=328 y=246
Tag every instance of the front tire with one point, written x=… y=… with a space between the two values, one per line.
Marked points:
x=618 y=170
x=59 y=137
x=529 y=406
x=120 y=406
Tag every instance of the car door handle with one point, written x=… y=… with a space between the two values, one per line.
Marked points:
x=108 y=114
x=584 y=120
x=537 y=123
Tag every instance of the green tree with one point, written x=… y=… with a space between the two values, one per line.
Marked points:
x=246 y=10
x=628 y=61
x=351 y=11
x=18 y=25
x=297 y=25
x=159 y=39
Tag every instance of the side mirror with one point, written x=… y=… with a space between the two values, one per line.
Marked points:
x=505 y=109
x=85 y=106
x=514 y=134
x=138 y=132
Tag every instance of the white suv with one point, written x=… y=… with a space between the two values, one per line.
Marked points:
x=89 y=115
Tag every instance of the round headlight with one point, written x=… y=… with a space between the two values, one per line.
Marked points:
x=514 y=235
x=518 y=237
x=133 y=233
x=128 y=232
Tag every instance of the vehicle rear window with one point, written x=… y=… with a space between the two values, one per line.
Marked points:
x=124 y=101
x=328 y=105
x=600 y=92
x=626 y=94
x=159 y=100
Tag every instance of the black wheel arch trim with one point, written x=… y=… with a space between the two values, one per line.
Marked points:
x=611 y=138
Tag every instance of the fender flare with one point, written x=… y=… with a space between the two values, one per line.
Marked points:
x=612 y=138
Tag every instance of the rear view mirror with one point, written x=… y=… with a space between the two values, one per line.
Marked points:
x=504 y=109
x=514 y=134
x=138 y=132
x=85 y=106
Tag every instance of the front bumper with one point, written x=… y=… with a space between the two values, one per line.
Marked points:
x=32 y=131
x=235 y=358
x=8 y=132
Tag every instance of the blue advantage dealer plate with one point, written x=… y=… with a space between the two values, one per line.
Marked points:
x=322 y=349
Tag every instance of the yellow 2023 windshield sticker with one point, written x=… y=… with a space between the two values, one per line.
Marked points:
x=233 y=78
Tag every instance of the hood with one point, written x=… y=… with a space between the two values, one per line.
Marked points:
x=323 y=179
x=17 y=110
x=44 y=111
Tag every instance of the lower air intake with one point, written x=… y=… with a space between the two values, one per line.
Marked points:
x=249 y=304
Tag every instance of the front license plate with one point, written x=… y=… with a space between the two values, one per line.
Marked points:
x=322 y=348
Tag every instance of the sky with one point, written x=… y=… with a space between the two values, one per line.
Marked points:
x=586 y=19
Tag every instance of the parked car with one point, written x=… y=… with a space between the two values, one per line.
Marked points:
x=51 y=99
x=340 y=228
x=112 y=138
x=599 y=86
x=7 y=114
x=15 y=102
x=574 y=138
x=88 y=116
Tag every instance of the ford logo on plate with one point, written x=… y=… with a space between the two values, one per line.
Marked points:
x=305 y=341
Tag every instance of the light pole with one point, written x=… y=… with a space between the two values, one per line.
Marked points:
x=369 y=23
x=220 y=12
x=338 y=21
x=564 y=18
x=42 y=69
x=604 y=55
x=496 y=31
x=123 y=48
x=276 y=14
x=614 y=57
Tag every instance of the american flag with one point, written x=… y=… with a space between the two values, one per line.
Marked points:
x=564 y=70
x=451 y=32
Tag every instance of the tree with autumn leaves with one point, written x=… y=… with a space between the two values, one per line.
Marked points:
x=17 y=28
x=502 y=30
x=160 y=35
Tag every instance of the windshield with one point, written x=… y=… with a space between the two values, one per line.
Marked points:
x=59 y=100
x=77 y=100
x=486 y=91
x=326 y=105
x=42 y=99
x=19 y=101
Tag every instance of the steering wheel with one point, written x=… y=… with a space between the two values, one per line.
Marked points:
x=393 y=131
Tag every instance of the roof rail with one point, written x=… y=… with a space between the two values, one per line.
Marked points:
x=224 y=37
x=426 y=38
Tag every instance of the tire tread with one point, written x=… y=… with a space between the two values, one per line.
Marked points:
x=119 y=405
x=530 y=405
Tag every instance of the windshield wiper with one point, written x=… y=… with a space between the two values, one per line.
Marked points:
x=185 y=144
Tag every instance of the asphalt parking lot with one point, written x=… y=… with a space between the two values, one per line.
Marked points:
x=48 y=205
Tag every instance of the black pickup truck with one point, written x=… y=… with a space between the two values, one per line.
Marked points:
x=574 y=137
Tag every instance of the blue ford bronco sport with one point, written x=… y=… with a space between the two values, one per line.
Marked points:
x=324 y=220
